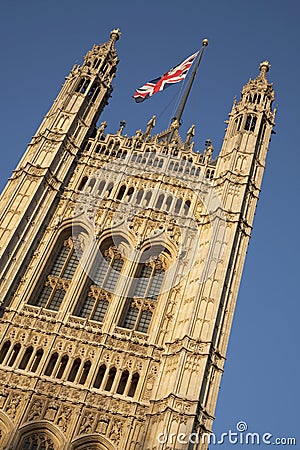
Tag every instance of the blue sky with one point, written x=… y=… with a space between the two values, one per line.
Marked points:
x=40 y=42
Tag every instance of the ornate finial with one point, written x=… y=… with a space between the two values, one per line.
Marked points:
x=115 y=34
x=190 y=134
x=122 y=126
x=175 y=124
x=101 y=128
x=205 y=42
x=208 y=151
x=150 y=126
x=173 y=127
x=264 y=67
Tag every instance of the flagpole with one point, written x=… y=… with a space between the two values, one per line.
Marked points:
x=186 y=93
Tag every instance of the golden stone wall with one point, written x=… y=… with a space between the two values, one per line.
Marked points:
x=97 y=366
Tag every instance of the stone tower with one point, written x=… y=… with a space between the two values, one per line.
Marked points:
x=121 y=259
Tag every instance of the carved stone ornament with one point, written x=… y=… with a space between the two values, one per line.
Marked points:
x=87 y=423
x=64 y=417
x=116 y=431
x=13 y=404
x=35 y=410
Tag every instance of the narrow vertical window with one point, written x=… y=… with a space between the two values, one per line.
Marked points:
x=169 y=202
x=62 y=366
x=74 y=369
x=134 y=384
x=37 y=359
x=99 y=376
x=121 y=192
x=101 y=187
x=82 y=85
x=123 y=382
x=253 y=123
x=13 y=357
x=93 y=92
x=250 y=123
x=4 y=351
x=26 y=358
x=110 y=379
x=85 y=372
x=155 y=283
x=129 y=193
x=61 y=272
x=178 y=205
x=51 y=364
x=187 y=206
x=147 y=198
x=82 y=183
x=139 y=197
x=159 y=201
x=108 y=190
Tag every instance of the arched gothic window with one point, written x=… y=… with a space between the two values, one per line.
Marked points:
x=4 y=351
x=51 y=364
x=123 y=382
x=178 y=205
x=37 y=359
x=160 y=201
x=121 y=192
x=84 y=372
x=57 y=282
x=37 y=441
x=168 y=202
x=74 y=369
x=134 y=382
x=62 y=366
x=106 y=275
x=99 y=377
x=138 y=310
x=14 y=354
x=110 y=379
x=82 y=183
x=139 y=197
x=26 y=357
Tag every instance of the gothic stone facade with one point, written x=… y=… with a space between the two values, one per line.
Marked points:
x=121 y=259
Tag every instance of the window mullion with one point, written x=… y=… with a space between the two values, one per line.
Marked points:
x=138 y=317
x=94 y=308
x=109 y=269
x=54 y=288
x=149 y=282
x=67 y=258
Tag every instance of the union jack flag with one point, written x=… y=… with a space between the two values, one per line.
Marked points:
x=174 y=75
